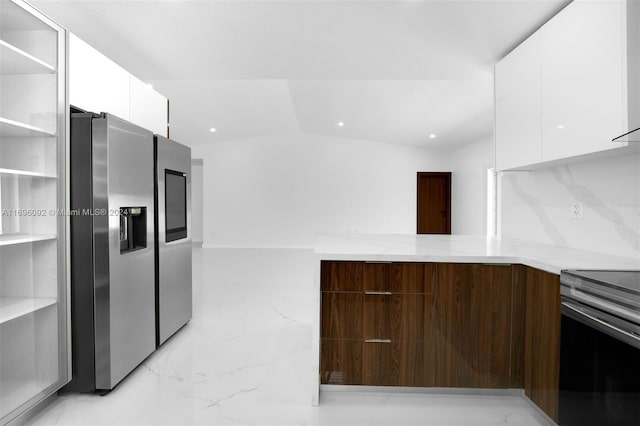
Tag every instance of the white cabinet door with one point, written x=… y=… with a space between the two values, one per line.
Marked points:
x=583 y=71
x=96 y=83
x=518 y=133
x=148 y=108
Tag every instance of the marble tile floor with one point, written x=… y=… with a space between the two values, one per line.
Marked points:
x=245 y=358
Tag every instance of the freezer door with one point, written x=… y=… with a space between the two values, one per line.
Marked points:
x=124 y=279
x=173 y=263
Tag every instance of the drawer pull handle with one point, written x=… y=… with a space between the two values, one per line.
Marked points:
x=377 y=340
x=378 y=293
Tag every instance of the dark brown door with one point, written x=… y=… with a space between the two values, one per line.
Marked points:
x=434 y=203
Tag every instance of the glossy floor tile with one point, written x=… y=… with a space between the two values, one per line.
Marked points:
x=245 y=357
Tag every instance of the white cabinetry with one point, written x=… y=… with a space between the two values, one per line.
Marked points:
x=518 y=106
x=33 y=141
x=98 y=84
x=148 y=108
x=582 y=79
x=564 y=92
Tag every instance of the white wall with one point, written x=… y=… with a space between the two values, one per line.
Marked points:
x=196 y=199
x=469 y=166
x=536 y=205
x=281 y=191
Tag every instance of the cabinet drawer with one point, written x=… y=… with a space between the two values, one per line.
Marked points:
x=398 y=277
x=411 y=277
x=397 y=316
x=340 y=362
x=340 y=276
x=396 y=363
x=341 y=315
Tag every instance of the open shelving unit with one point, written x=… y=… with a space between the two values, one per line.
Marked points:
x=15 y=129
x=25 y=173
x=16 y=307
x=17 y=61
x=34 y=362
x=10 y=239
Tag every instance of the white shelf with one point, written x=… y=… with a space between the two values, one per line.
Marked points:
x=25 y=173
x=16 y=61
x=16 y=307
x=16 y=129
x=11 y=239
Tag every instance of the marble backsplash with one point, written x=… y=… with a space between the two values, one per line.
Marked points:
x=536 y=205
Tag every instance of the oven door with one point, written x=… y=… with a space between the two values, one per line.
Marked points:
x=599 y=368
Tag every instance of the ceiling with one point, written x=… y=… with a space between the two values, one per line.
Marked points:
x=391 y=71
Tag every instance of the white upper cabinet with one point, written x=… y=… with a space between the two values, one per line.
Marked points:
x=582 y=79
x=518 y=110
x=98 y=84
x=148 y=108
x=569 y=89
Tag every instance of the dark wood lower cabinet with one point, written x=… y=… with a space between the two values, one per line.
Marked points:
x=542 y=340
x=354 y=362
x=341 y=276
x=383 y=328
x=341 y=315
x=442 y=325
x=341 y=362
x=471 y=326
x=377 y=364
x=398 y=277
x=396 y=363
x=518 y=295
x=396 y=316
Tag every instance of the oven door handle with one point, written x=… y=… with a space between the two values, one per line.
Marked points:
x=587 y=316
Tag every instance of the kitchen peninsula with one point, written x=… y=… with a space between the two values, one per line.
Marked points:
x=443 y=311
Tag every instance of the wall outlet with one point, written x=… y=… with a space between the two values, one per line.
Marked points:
x=577 y=210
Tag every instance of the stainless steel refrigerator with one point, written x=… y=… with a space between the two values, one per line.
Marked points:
x=173 y=237
x=112 y=249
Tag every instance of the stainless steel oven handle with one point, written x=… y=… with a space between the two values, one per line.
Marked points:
x=635 y=339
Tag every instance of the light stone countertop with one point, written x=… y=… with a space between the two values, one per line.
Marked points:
x=464 y=249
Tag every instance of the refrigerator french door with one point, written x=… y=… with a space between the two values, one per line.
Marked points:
x=173 y=237
x=112 y=250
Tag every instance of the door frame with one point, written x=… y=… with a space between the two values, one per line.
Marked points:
x=447 y=176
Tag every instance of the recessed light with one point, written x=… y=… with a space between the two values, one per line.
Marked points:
x=212 y=130
x=340 y=123
x=432 y=135
x=560 y=126
x=150 y=86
